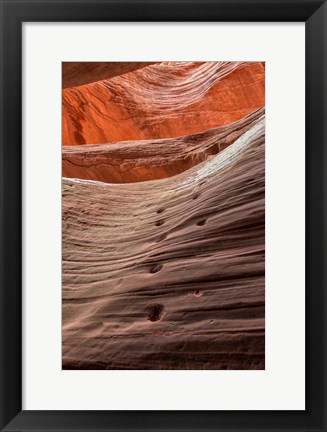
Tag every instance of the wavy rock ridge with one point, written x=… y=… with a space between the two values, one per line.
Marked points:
x=132 y=161
x=163 y=100
x=163 y=239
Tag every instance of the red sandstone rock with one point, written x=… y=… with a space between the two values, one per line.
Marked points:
x=133 y=161
x=160 y=101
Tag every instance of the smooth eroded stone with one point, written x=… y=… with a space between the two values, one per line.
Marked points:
x=168 y=273
x=134 y=161
x=162 y=100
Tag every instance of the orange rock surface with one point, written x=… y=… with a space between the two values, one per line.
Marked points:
x=134 y=161
x=162 y=100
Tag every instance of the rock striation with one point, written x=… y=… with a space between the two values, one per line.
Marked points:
x=161 y=100
x=167 y=273
x=134 y=161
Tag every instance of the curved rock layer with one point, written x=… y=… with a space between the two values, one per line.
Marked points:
x=134 y=161
x=168 y=274
x=163 y=100
x=79 y=73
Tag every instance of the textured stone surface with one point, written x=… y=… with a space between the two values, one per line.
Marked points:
x=162 y=100
x=168 y=274
x=133 y=161
x=75 y=74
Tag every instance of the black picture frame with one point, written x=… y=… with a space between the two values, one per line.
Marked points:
x=13 y=14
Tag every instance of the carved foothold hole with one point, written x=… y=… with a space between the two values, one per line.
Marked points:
x=196 y=195
x=155 y=312
x=201 y=222
x=160 y=210
x=156 y=268
x=198 y=293
x=159 y=223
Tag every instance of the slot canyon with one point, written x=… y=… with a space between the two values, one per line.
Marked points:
x=163 y=215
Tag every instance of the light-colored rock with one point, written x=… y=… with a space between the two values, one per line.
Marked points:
x=168 y=274
x=133 y=161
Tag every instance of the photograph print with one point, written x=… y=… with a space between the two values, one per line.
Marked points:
x=163 y=215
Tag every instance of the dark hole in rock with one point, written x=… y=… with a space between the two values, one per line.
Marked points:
x=201 y=222
x=159 y=223
x=156 y=268
x=155 y=312
x=196 y=195
x=160 y=210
